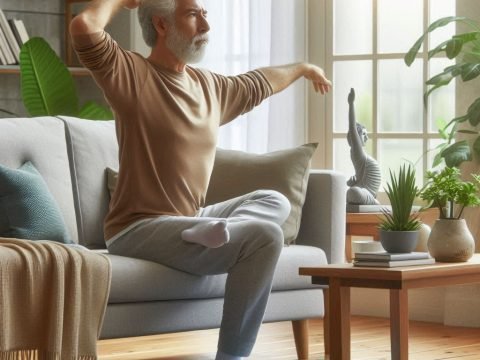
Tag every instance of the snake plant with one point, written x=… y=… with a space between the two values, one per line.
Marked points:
x=401 y=191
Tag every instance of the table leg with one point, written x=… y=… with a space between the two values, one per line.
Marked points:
x=399 y=323
x=348 y=248
x=339 y=322
x=326 y=322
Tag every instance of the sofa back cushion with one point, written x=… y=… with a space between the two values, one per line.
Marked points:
x=41 y=141
x=93 y=147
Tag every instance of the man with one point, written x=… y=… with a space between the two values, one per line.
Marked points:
x=167 y=118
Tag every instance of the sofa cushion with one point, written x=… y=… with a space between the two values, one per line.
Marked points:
x=236 y=173
x=135 y=280
x=27 y=208
x=41 y=141
x=93 y=147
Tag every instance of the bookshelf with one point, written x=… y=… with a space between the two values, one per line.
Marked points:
x=44 y=19
x=15 y=70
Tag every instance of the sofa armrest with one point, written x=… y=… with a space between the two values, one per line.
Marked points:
x=324 y=213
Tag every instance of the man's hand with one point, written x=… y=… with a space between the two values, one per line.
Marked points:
x=317 y=76
x=281 y=77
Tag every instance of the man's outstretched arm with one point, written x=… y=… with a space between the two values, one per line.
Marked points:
x=280 y=77
x=98 y=14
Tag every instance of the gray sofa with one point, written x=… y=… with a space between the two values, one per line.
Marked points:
x=148 y=298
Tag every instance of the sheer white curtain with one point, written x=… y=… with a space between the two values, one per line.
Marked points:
x=245 y=35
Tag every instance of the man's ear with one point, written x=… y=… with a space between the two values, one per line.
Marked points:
x=160 y=25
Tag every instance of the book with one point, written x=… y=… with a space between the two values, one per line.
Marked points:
x=394 y=263
x=9 y=58
x=354 y=208
x=385 y=256
x=11 y=40
x=3 y=59
x=19 y=31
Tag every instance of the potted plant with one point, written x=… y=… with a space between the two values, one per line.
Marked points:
x=450 y=239
x=399 y=227
x=465 y=49
x=48 y=87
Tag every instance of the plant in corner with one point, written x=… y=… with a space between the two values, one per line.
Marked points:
x=450 y=239
x=48 y=87
x=399 y=227
x=465 y=48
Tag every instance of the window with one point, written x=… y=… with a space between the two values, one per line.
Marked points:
x=368 y=40
x=248 y=34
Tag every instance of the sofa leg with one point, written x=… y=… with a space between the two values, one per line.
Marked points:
x=300 y=333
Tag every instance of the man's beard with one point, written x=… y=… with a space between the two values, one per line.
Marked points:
x=188 y=51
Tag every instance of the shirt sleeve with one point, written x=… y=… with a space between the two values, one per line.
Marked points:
x=114 y=69
x=239 y=94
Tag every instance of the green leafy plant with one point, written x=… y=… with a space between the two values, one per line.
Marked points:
x=451 y=195
x=465 y=48
x=47 y=86
x=401 y=191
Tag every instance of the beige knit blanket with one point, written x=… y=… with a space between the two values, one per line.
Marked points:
x=52 y=300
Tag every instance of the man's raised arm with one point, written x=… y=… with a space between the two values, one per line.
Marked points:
x=280 y=77
x=98 y=14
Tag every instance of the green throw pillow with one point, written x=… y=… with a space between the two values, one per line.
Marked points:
x=27 y=208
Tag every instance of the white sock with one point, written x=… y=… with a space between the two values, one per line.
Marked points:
x=211 y=234
x=223 y=356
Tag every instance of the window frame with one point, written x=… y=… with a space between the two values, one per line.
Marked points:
x=426 y=135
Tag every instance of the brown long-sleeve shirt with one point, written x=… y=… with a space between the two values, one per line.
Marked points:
x=167 y=125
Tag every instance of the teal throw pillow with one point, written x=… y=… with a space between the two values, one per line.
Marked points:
x=27 y=208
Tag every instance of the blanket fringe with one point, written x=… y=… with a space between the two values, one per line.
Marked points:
x=40 y=355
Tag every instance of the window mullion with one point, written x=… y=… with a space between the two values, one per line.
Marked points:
x=375 y=80
x=426 y=18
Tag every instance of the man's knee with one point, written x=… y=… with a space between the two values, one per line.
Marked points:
x=276 y=198
x=267 y=234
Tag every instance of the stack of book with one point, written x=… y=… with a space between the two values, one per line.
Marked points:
x=12 y=36
x=385 y=259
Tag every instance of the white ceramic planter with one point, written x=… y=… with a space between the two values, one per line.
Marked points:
x=451 y=241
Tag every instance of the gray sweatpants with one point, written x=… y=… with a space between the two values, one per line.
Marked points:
x=249 y=258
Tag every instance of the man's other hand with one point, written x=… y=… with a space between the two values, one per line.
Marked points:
x=317 y=76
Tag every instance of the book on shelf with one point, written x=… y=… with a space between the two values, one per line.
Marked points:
x=385 y=256
x=19 y=31
x=5 y=49
x=3 y=59
x=393 y=263
x=357 y=208
x=11 y=40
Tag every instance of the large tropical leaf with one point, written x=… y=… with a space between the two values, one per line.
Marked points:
x=93 y=111
x=47 y=85
x=474 y=113
x=470 y=71
x=412 y=53
x=457 y=153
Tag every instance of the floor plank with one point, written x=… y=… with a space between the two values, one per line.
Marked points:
x=370 y=341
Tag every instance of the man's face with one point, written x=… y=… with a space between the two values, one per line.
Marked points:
x=187 y=35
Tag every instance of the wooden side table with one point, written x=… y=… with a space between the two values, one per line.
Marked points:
x=341 y=277
x=366 y=224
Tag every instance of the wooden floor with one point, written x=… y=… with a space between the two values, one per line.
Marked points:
x=370 y=341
